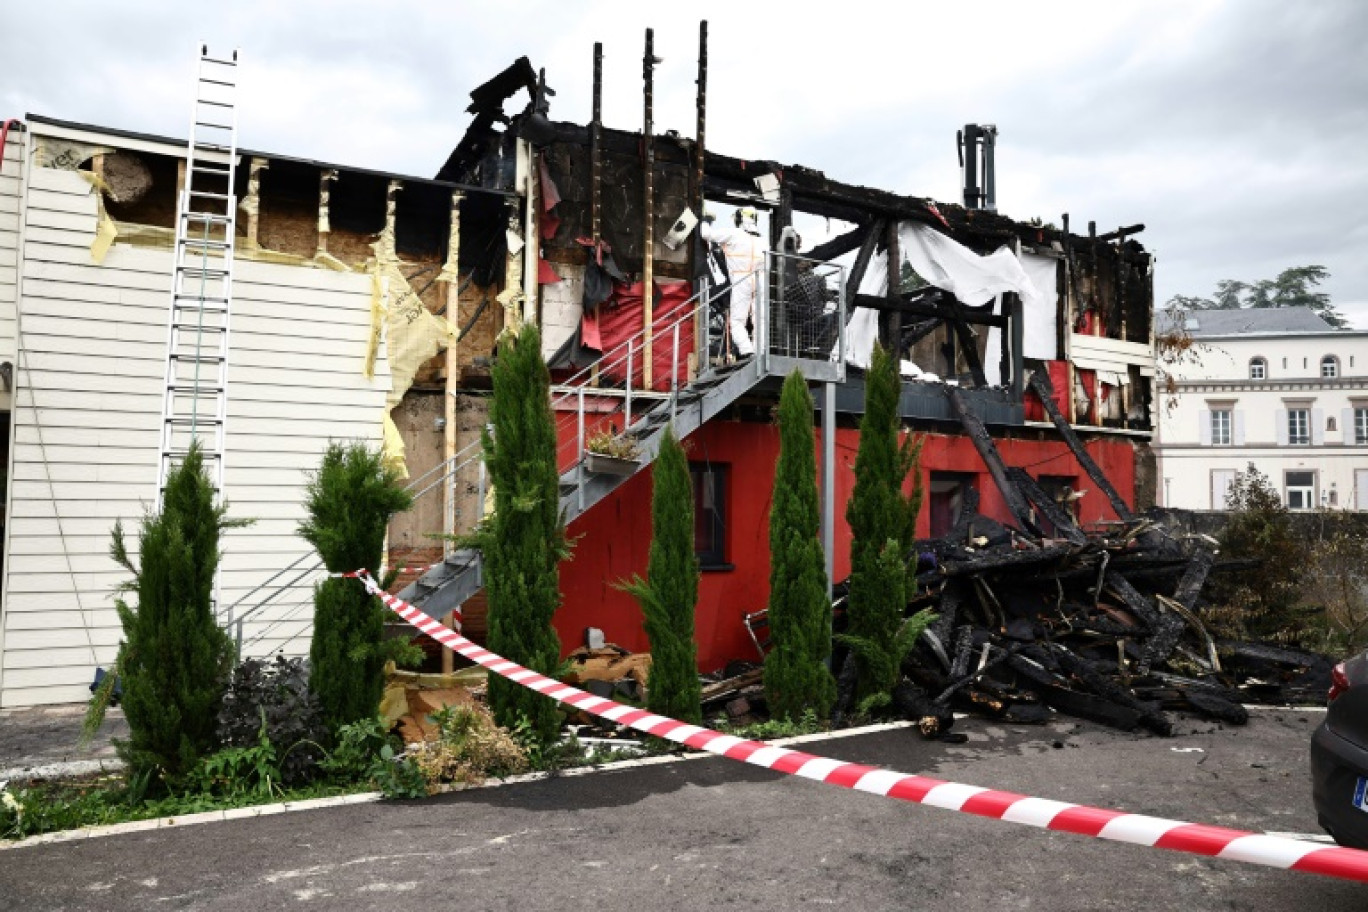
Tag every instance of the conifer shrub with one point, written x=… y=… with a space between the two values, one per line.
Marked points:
x=350 y=500
x=523 y=541
x=797 y=680
x=174 y=660
x=669 y=594
x=883 y=527
x=1261 y=601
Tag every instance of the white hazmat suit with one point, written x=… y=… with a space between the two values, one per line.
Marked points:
x=745 y=254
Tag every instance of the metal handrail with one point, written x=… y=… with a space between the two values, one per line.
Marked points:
x=239 y=620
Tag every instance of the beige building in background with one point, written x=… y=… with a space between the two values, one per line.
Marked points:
x=1278 y=388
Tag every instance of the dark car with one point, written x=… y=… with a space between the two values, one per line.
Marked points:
x=1339 y=756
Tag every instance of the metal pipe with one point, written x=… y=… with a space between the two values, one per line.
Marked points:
x=829 y=480
x=648 y=63
x=674 y=371
x=579 y=488
x=629 y=386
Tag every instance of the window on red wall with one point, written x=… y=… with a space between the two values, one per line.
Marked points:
x=946 y=499
x=710 y=514
x=1063 y=490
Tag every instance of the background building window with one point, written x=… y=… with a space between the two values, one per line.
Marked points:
x=710 y=514
x=1361 y=425
x=1301 y=490
x=1329 y=367
x=1220 y=427
x=1221 y=480
x=1258 y=369
x=1299 y=426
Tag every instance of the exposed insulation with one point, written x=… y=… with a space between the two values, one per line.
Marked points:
x=413 y=334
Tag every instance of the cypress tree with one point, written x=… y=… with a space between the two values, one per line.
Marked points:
x=350 y=500
x=524 y=540
x=796 y=676
x=883 y=527
x=174 y=659
x=669 y=593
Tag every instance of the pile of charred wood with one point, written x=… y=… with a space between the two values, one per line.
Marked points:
x=1104 y=624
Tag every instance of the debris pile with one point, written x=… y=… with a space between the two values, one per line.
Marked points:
x=1103 y=624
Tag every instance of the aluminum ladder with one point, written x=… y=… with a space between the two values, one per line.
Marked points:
x=195 y=394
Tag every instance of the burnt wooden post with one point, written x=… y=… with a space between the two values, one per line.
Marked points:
x=696 y=190
x=648 y=63
x=890 y=321
x=1040 y=382
x=596 y=153
x=861 y=266
x=1018 y=327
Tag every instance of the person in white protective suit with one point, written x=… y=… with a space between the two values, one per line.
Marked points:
x=745 y=253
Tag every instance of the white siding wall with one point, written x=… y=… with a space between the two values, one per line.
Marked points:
x=94 y=338
x=11 y=174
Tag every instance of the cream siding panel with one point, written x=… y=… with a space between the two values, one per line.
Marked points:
x=11 y=190
x=95 y=345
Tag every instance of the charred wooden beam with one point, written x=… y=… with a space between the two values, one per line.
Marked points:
x=1194 y=577
x=925 y=305
x=983 y=442
x=1121 y=233
x=968 y=343
x=838 y=246
x=862 y=259
x=997 y=561
x=1040 y=382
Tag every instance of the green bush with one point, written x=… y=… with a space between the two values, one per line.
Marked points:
x=523 y=542
x=797 y=679
x=669 y=593
x=174 y=660
x=350 y=501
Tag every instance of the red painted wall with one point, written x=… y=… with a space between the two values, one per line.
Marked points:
x=612 y=540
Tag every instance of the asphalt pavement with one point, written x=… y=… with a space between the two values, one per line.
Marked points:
x=715 y=833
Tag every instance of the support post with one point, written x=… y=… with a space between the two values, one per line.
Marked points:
x=890 y=321
x=696 y=248
x=829 y=480
x=595 y=171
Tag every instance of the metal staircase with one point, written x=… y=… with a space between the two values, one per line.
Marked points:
x=782 y=346
x=196 y=375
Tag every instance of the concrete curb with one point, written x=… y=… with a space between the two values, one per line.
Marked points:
x=312 y=804
x=61 y=770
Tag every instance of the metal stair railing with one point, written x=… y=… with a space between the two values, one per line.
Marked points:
x=448 y=469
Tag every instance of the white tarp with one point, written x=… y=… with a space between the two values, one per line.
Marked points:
x=1038 y=339
x=972 y=278
x=952 y=267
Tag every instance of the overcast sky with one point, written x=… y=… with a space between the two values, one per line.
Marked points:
x=1237 y=132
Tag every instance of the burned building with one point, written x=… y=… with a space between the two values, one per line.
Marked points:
x=368 y=305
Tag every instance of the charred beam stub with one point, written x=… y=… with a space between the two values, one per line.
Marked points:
x=983 y=442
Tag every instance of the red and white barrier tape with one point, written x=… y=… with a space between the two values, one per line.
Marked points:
x=373 y=587
x=1200 y=839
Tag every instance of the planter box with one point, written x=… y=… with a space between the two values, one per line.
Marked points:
x=610 y=465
